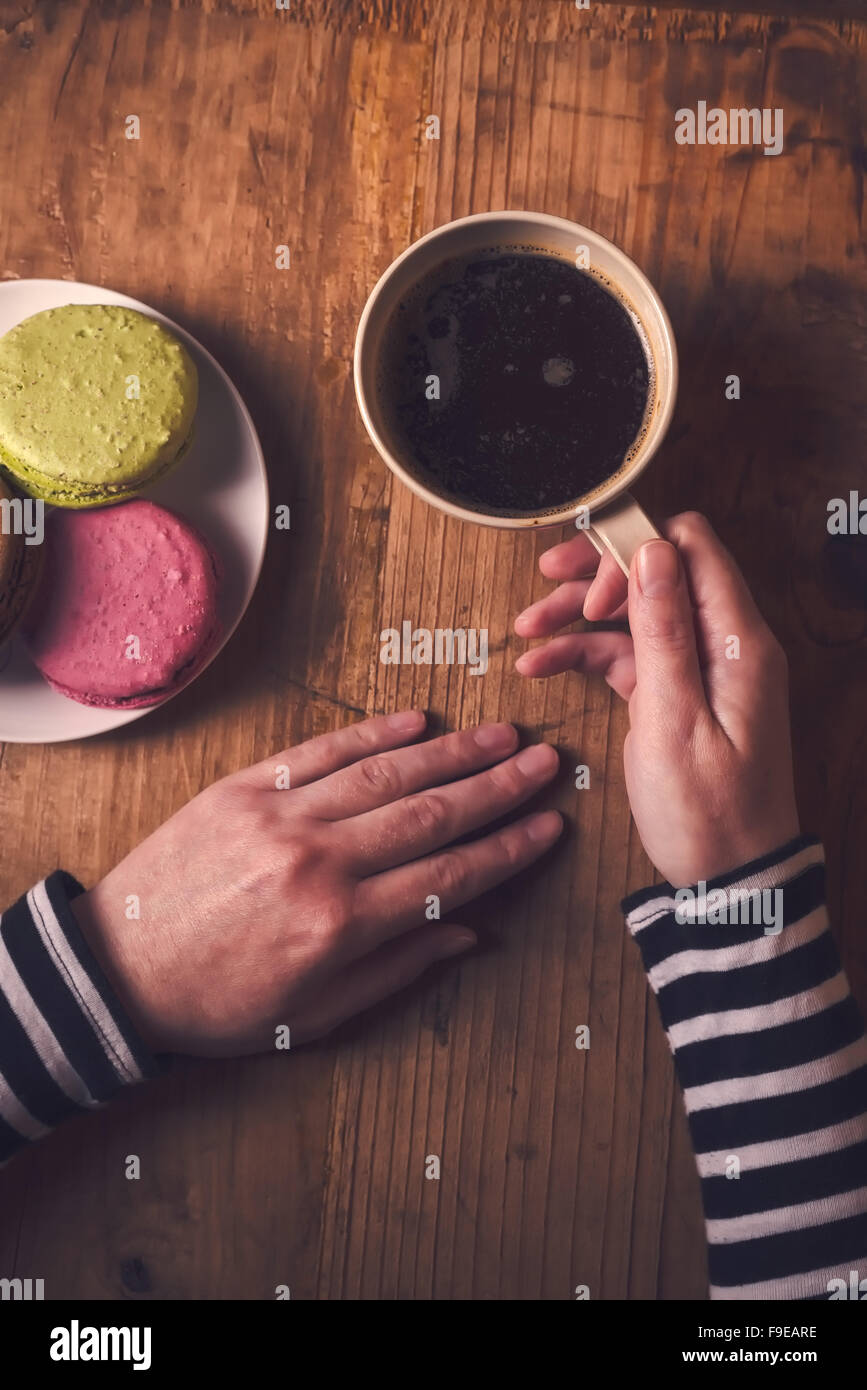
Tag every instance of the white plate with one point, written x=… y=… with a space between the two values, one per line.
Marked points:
x=221 y=487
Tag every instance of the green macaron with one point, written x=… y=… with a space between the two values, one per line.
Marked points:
x=96 y=403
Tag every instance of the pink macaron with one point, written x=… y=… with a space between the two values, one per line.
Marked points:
x=126 y=612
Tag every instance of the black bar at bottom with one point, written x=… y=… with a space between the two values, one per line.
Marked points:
x=145 y=1338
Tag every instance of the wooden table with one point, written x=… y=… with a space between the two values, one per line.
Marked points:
x=559 y=1167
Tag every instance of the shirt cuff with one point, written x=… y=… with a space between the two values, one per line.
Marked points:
x=66 y=1044
x=734 y=898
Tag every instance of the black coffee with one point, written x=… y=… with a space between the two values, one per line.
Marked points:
x=514 y=381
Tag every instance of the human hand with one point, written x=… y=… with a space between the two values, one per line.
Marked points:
x=263 y=907
x=708 y=756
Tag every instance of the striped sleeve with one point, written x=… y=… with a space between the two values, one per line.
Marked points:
x=65 y=1043
x=771 y=1055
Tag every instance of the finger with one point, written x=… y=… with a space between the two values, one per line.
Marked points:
x=391 y=903
x=735 y=644
x=426 y=821
x=607 y=654
x=388 y=776
x=668 y=677
x=558 y=610
x=606 y=596
x=722 y=601
x=576 y=558
x=380 y=974
x=554 y=611
x=318 y=757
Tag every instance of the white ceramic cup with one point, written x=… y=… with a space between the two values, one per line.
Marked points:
x=612 y=518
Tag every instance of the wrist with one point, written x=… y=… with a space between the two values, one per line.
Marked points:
x=768 y=870
x=731 y=852
x=118 y=957
x=691 y=840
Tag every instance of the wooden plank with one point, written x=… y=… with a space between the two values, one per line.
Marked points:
x=559 y=1167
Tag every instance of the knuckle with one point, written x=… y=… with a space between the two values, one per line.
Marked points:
x=260 y=822
x=332 y=917
x=451 y=875
x=670 y=631
x=427 y=812
x=365 y=735
x=461 y=750
x=511 y=846
x=692 y=523
x=381 y=774
x=507 y=779
x=298 y=855
x=237 y=794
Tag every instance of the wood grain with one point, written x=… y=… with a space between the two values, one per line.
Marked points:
x=559 y=1167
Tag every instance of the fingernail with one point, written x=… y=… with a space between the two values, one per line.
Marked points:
x=405 y=720
x=657 y=568
x=540 y=757
x=521 y=664
x=453 y=945
x=494 y=735
x=523 y=617
x=546 y=826
x=587 y=598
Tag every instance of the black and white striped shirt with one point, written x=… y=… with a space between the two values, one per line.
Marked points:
x=65 y=1043
x=771 y=1055
x=768 y=1044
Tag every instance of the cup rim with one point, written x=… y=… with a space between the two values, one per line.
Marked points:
x=606 y=492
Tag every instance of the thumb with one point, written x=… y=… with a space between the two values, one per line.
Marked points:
x=667 y=670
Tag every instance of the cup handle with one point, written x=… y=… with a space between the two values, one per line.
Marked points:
x=621 y=528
